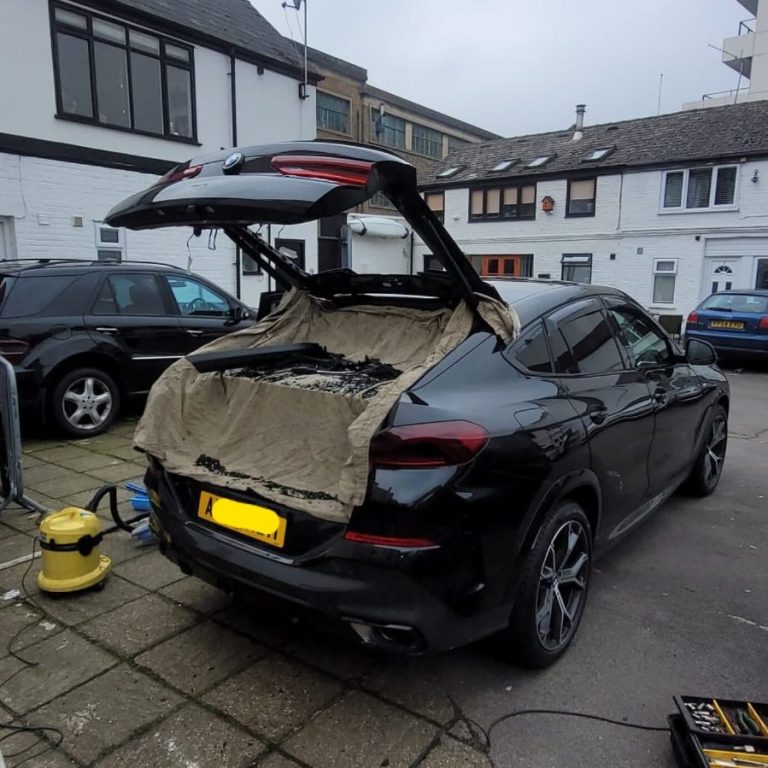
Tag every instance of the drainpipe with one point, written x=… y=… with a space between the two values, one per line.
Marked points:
x=233 y=102
x=579 y=132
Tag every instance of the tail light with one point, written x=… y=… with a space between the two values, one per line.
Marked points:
x=340 y=170
x=396 y=542
x=423 y=446
x=179 y=174
x=13 y=350
x=693 y=319
x=763 y=324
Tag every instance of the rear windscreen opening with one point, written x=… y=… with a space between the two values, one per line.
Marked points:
x=737 y=302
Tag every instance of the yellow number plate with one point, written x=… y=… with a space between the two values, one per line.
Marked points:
x=733 y=325
x=249 y=519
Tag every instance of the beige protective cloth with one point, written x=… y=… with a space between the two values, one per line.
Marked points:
x=303 y=447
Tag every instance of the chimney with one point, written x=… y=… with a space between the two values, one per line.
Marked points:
x=579 y=132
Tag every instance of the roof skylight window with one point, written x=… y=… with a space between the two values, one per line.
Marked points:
x=504 y=165
x=448 y=172
x=598 y=154
x=539 y=161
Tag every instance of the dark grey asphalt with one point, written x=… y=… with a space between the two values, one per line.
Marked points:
x=679 y=607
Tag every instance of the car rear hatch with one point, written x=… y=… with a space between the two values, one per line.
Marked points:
x=283 y=413
x=738 y=320
x=296 y=182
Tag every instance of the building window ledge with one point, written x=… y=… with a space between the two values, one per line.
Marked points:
x=713 y=209
x=122 y=129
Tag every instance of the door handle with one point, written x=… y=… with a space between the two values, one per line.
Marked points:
x=194 y=332
x=598 y=413
x=105 y=329
x=661 y=396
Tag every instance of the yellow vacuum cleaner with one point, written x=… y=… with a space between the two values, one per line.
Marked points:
x=69 y=541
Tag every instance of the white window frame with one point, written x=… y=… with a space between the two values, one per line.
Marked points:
x=117 y=247
x=664 y=272
x=712 y=189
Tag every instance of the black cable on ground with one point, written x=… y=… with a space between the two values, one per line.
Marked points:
x=15 y=729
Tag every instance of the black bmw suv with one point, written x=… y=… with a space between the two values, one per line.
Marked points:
x=85 y=335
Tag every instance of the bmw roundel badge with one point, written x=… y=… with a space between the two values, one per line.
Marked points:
x=233 y=162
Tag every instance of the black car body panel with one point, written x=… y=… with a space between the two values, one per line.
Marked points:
x=52 y=308
x=593 y=403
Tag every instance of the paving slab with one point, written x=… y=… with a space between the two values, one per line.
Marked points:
x=138 y=625
x=129 y=453
x=60 y=453
x=336 y=655
x=76 y=607
x=151 y=571
x=118 y=473
x=61 y=663
x=43 y=472
x=90 y=460
x=359 y=730
x=67 y=485
x=106 y=711
x=21 y=625
x=197 y=595
x=15 y=545
x=189 y=738
x=412 y=684
x=120 y=547
x=449 y=753
x=202 y=656
x=273 y=695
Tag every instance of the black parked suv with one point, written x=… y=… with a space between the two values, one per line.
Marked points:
x=85 y=335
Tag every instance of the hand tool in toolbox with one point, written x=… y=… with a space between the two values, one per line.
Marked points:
x=719 y=733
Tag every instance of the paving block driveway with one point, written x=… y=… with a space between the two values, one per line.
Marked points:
x=159 y=669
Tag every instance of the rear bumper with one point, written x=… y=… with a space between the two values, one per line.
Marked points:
x=732 y=344
x=337 y=584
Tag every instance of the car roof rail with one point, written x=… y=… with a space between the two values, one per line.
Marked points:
x=46 y=261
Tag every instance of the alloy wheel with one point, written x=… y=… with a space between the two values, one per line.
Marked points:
x=562 y=586
x=87 y=403
x=715 y=450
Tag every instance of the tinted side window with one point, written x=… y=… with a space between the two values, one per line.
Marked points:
x=531 y=350
x=644 y=342
x=585 y=332
x=33 y=295
x=132 y=295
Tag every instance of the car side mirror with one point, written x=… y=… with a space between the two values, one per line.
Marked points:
x=237 y=314
x=698 y=352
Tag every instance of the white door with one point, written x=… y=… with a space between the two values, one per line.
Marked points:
x=723 y=275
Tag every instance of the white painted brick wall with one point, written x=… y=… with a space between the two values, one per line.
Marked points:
x=627 y=218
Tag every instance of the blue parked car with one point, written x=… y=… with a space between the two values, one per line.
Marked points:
x=735 y=323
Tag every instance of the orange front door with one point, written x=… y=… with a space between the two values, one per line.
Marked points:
x=501 y=266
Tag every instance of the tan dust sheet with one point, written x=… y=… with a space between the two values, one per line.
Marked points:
x=287 y=441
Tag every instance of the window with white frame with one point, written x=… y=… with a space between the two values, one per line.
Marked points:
x=664 y=277
x=110 y=242
x=699 y=189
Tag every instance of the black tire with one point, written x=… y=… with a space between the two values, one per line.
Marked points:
x=536 y=637
x=91 y=390
x=708 y=467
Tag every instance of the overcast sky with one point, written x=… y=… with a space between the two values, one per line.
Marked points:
x=520 y=66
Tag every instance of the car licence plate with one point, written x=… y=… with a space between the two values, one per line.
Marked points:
x=732 y=325
x=252 y=520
